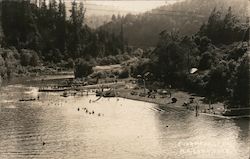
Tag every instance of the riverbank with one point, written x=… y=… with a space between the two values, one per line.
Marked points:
x=166 y=101
x=39 y=76
x=127 y=88
x=183 y=102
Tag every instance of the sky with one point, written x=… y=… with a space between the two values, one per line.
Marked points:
x=133 y=6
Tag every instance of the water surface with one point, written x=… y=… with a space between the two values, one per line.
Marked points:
x=119 y=129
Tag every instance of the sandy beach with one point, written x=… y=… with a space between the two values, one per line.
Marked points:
x=165 y=101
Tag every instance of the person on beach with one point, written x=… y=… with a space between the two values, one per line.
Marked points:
x=196 y=109
x=169 y=90
x=102 y=87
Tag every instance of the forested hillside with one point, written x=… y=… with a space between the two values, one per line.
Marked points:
x=218 y=51
x=191 y=34
x=45 y=34
x=47 y=30
x=186 y=17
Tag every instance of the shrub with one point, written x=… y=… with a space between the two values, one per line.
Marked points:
x=124 y=73
x=29 y=57
x=83 y=68
x=70 y=63
x=34 y=60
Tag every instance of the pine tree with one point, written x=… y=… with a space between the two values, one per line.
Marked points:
x=76 y=29
x=61 y=26
x=1 y=30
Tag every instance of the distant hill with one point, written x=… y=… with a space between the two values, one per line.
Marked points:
x=97 y=15
x=186 y=17
x=95 y=21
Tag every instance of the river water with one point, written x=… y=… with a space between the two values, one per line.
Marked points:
x=52 y=127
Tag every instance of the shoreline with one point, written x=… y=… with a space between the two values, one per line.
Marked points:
x=36 y=77
x=124 y=89
x=182 y=97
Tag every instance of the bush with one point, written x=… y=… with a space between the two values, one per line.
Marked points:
x=241 y=89
x=206 y=61
x=25 y=58
x=197 y=82
x=34 y=60
x=83 y=68
x=29 y=57
x=2 y=67
x=124 y=73
x=70 y=63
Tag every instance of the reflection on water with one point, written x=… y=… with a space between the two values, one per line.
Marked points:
x=118 y=128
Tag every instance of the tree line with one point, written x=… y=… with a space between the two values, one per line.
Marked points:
x=46 y=28
x=218 y=51
x=186 y=17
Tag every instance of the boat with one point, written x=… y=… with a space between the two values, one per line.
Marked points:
x=50 y=89
x=98 y=93
x=108 y=93
x=65 y=94
x=27 y=99
x=236 y=111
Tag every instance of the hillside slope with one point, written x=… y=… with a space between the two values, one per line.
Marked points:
x=185 y=17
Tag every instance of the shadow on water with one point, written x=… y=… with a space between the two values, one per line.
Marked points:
x=244 y=128
x=57 y=127
x=27 y=125
x=19 y=128
x=186 y=136
x=244 y=132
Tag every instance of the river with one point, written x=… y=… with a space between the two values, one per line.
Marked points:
x=59 y=128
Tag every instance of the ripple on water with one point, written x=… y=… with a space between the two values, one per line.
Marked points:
x=54 y=128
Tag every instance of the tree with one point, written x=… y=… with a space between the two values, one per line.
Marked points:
x=83 y=68
x=61 y=29
x=46 y=29
x=76 y=29
x=1 y=29
x=206 y=61
x=171 y=58
x=34 y=60
x=217 y=83
x=241 y=89
x=113 y=18
x=25 y=58
x=223 y=30
x=18 y=23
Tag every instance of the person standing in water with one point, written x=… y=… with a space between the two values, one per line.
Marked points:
x=196 y=109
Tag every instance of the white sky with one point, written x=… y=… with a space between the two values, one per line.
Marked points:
x=107 y=7
x=128 y=5
x=135 y=6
